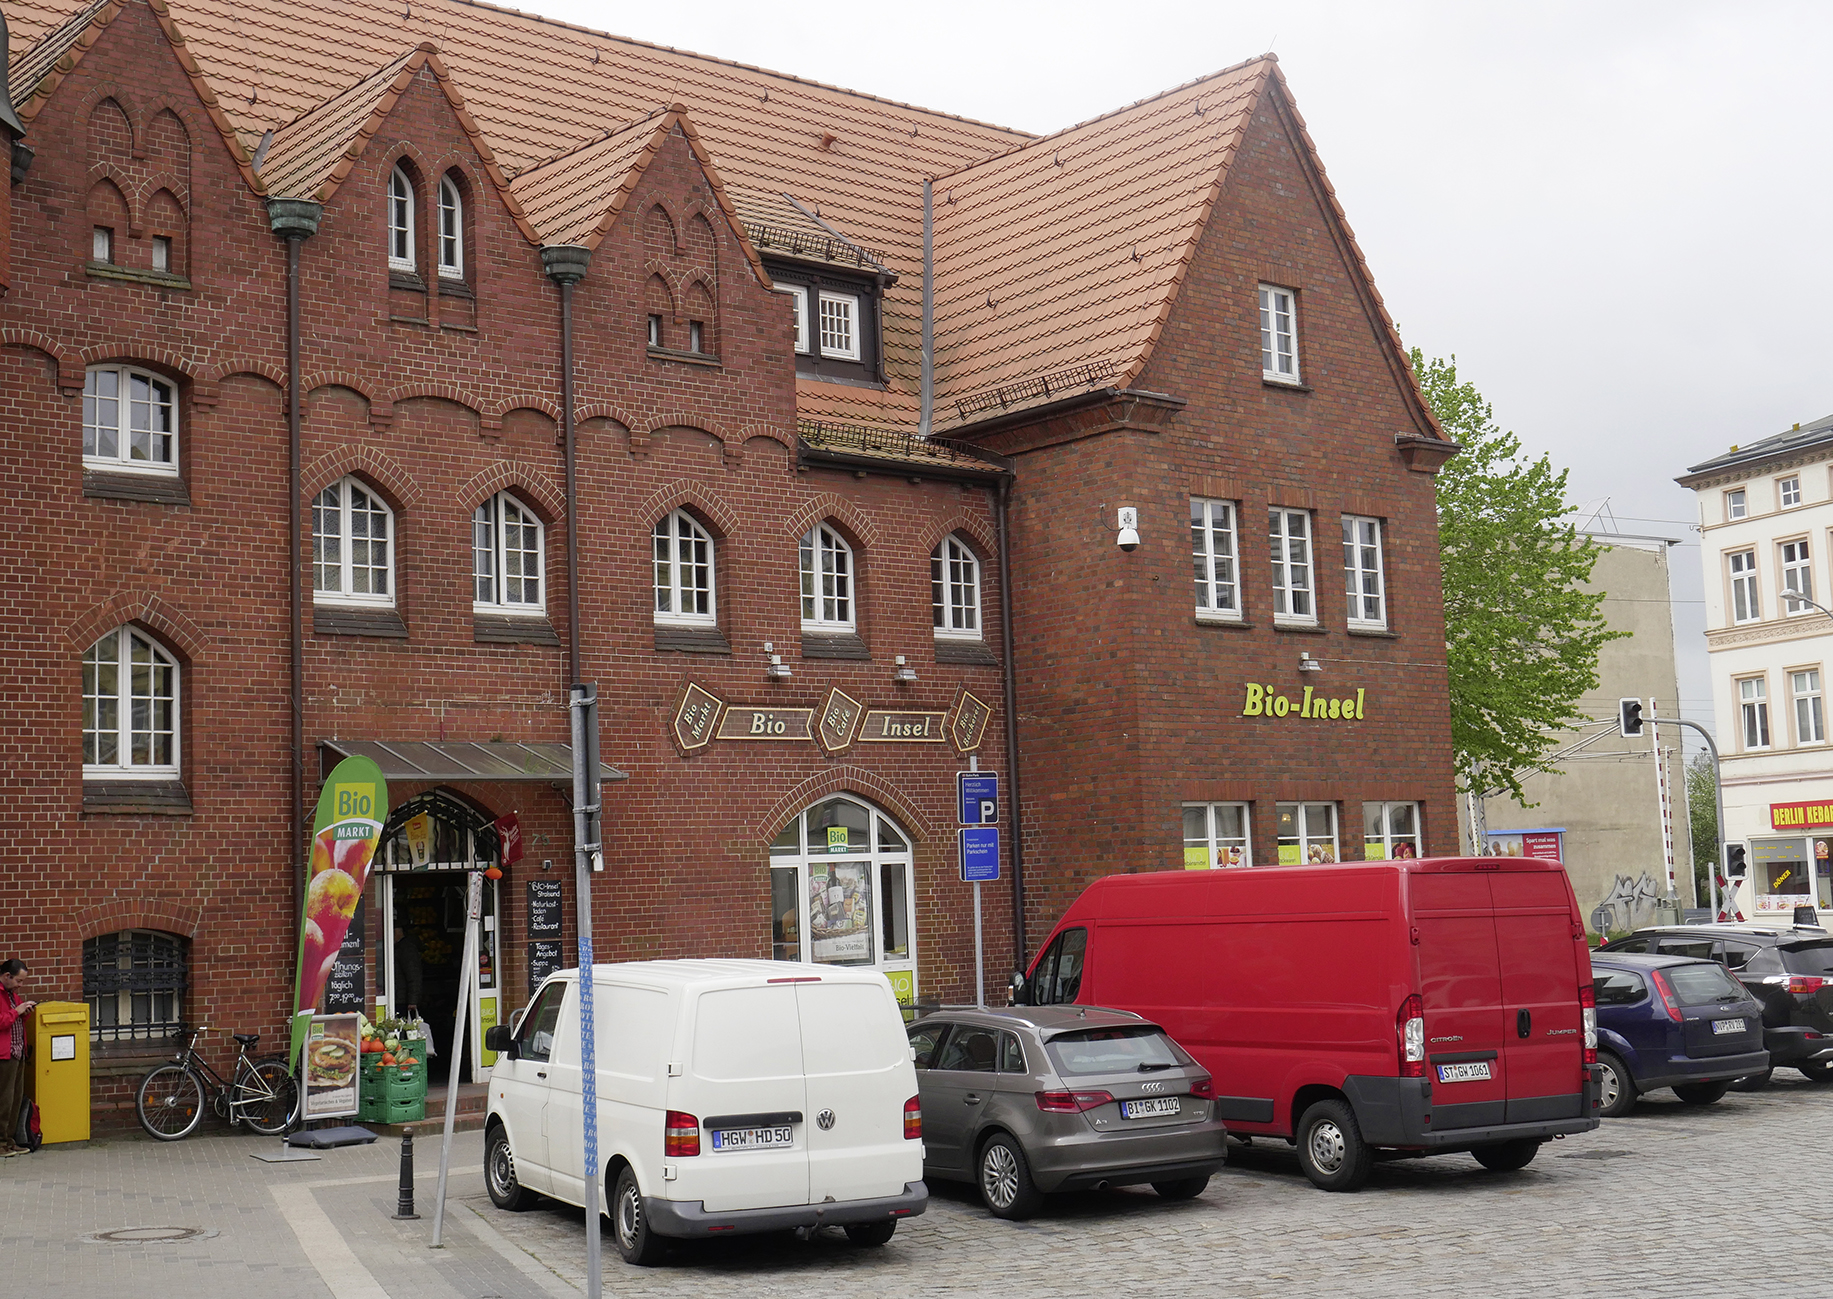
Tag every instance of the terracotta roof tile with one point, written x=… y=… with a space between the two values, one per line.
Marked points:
x=36 y=50
x=567 y=198
x=304 y=153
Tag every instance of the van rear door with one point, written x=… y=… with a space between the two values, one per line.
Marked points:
x=1461 y=986
x=746 y=1077
x=859 y=1076
x=1542 y=1029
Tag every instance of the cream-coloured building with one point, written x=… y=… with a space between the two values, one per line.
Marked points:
x=1766 y=531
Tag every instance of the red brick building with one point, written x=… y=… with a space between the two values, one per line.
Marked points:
x=611 y=366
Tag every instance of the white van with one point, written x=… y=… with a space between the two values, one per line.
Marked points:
x=733 y=1096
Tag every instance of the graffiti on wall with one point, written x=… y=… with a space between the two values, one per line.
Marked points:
x=1629 y=904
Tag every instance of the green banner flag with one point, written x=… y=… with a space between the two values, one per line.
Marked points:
x=345 y=833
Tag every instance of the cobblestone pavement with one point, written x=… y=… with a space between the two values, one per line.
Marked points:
x=1652 y=1205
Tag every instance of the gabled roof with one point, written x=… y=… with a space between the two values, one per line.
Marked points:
x=1797 y=441
x=784 y=226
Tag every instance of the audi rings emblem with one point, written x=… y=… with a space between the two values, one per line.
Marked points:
x=1152 y=1087
x=825 y=1120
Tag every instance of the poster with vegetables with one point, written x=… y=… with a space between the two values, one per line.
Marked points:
x=332 y=1051
x=344 y=837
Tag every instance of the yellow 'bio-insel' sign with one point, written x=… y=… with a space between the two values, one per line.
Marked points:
x=1262 y=702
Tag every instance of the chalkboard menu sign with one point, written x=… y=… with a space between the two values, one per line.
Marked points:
x=544 y=903
x=344 y=990
x=543 y=960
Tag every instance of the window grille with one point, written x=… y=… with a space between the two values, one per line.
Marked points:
x=135 y=983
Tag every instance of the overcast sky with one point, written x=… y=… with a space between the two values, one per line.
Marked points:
x=1616 y=215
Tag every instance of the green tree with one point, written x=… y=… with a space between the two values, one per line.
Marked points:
x=1702 y=818
x=1521 y=636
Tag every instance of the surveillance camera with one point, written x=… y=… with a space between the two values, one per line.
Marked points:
x=1128 y=539
x=1128 y=523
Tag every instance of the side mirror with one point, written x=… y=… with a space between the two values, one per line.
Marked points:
x=502 y=1039
x=515 y=1018
x=1015 y=994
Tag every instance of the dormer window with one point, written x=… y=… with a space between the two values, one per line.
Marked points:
x=839 y=326
x=798 y=300
x=834 y=319
x=400 y=222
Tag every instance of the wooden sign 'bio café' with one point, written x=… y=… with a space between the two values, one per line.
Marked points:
x=839 y=723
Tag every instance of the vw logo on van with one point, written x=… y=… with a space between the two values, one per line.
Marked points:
x=825 y=1120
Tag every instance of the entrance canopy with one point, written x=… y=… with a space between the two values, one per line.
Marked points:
x=463 y=760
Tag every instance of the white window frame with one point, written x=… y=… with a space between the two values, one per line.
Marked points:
x=1215 y=558
x=1364 y=583
x=1378 y=832
x=1746 y=595
x=1810 y=717
x=401 y=221
x=673 y=541
x=828 y=571
x=123 y=697
x=1294 y=576
x=1309 y=837
x=1279 y=335
x=1211 y=849
x=1753 y=713
x=102 y=245
x=344 y=592
x=451 y=230
x=1797 y=574
x=798 y=297
x=162 y=253
x=850 y=352
x=954 y=590
x=161 y=444
x=1788 y=492
x=495 y=524
x=793 y=854
x=1737 y=505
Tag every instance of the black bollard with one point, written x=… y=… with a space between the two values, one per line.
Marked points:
x=404 y=1207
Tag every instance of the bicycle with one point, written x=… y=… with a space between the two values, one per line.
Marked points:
x=170 y=1101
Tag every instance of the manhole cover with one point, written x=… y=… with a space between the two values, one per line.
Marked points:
x=1596 y=1154
x=148 y=1235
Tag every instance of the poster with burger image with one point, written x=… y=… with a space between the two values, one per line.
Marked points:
x=333 y=1049
x=351 y=810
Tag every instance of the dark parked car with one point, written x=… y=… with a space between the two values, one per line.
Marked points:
x=1060 y=1098
x=1672 y=1021
x=1788 y=969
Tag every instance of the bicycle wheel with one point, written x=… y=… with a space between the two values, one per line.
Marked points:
x=266 y=1097
x=170 y=1102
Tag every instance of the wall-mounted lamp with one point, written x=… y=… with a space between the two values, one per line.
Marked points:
x=905 y=673
x=777 y=670
x=1308 y=664
x=1128 y=523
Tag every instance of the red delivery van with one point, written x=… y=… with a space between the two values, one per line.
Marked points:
x=1416 y=1006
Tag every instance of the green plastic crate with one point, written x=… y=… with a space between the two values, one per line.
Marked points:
x=404 y=1111
x=404 y=1084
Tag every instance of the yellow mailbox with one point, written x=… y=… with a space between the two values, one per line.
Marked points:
x=60 y=1069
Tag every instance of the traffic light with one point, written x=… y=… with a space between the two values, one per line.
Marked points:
x=1629 y=716
x=1734 y=861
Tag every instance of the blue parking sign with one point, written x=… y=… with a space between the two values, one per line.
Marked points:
x=979 y=797
x=979 y=854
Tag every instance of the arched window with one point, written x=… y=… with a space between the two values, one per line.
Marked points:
x=507 y=557
x=451 y=231
x=684 y=571
x=400 y=221
x=841 y=891
x=130 y=420
x=134 y=982
x=954 y=589
x=827 y=580
x=130 y=707
x=352 y=545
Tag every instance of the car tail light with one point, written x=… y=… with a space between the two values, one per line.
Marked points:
x=1805 y=983
x=1072 y=1102
x=1666 y=993
x=1588 y=1014
x=681 y=1138
x=1412 y=1029
x=913 y=1119
x=1204 y=1088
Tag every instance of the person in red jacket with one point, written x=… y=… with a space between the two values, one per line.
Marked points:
x=12 y=1052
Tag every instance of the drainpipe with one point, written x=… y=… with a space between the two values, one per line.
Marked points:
x=1011 y=687
x=295 y=220
x=926 y=413
x=565 y=265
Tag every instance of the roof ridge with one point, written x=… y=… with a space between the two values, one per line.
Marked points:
x=50 y=48
x=386 y=69
x=583 y=145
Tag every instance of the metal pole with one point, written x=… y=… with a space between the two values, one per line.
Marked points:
x=1718 y=790
x=467 y=973
x=583 y=706
x=980 y=961
x=1663 y=805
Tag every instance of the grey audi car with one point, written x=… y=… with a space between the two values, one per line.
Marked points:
x=1036 y=1099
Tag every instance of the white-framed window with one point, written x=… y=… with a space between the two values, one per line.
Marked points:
x=1737 y=504
x=842 y=891
x=400 y=221
x=130 y=707
x=954 y=590
x=1797 y=575
x=507 y=557
x=1390 y=831
x=451 y=231
x=1307 y=834
x=1753 y=712
x=1217 y=834
x=1363 y=580
x=1788 y=491
x=798 y=300
x=162 y=253
x=827 y=580
x=1214 y=555
x=102 y=244
x=1278 y=335
x=840 y=326
x=655 y=330
x=353 y=552
x=696 y=336
x=1810 y=723
x=684 y=571
x=1746 y=600
x=1289 y=534
x=130 y=420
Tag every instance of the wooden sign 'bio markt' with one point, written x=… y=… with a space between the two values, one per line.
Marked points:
x=1262 y=702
